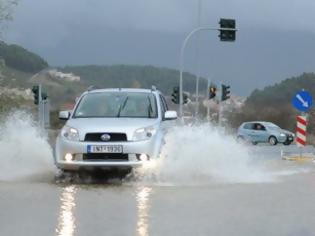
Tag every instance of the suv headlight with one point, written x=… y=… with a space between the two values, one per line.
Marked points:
x=143 y=133
x=70 y=133
x=282 y=135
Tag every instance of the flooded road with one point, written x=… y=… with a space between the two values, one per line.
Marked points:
x=215 y=186
x=279 y=208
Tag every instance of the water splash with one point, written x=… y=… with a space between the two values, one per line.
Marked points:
x=24 y=151
x=205 y=154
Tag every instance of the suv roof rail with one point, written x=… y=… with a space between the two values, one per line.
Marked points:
x=90 y=88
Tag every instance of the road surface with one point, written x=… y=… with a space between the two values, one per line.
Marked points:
x=282 y=204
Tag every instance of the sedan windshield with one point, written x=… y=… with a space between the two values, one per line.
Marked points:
x=272 y=126
x=117 y=104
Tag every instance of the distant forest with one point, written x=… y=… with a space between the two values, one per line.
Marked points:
x=21 y=59
x=120 y=76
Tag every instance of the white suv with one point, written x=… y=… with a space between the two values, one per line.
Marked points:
x=113 y=128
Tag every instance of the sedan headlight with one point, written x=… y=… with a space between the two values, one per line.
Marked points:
x=143 y=133
x=70 y=133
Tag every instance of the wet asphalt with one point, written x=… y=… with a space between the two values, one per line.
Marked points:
x=43 y=205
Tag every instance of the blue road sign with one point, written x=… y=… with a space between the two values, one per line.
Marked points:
x=302 y=101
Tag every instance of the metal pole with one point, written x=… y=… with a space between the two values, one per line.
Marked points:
x=40 y=107
x=207 y=97
x=220 y=105
x=182 y=52
x=197 y=60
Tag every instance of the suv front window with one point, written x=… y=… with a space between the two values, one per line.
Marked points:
x=117 y=104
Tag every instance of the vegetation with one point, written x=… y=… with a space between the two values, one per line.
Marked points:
x=21 y=59
x=120 y=76
x=6 y=12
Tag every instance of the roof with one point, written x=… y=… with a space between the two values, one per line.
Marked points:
x=258 y=121
x=135 y=90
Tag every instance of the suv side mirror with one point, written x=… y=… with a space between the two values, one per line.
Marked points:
x=170 y=115
x=64 y=115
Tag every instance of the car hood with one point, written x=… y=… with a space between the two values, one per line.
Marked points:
x=110 y=125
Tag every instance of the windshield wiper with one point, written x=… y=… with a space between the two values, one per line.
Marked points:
x=122 y=106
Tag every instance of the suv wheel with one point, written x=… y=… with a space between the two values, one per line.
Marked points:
x=273 y=140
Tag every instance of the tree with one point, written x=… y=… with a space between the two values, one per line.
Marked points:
x=6 y=12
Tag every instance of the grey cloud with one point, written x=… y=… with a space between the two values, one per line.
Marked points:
x=273 y=41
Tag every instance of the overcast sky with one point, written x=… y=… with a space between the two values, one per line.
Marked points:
x=274 y=41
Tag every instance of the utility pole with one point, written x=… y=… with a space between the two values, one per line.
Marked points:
x=197 y=60
x=227 y=33
x=207 y=97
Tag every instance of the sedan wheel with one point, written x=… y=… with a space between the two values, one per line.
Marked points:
x=273 y=141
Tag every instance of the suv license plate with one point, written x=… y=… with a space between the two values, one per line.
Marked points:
x=104 y=149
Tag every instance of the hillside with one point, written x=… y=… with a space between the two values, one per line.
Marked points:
x=132 y=76
x=273 y=103
x=19 y=58
x=20 y=68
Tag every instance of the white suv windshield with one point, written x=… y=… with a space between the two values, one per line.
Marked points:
x=117 y=104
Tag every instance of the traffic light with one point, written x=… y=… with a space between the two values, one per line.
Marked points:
x=35 y=91
x=175 y=95
x=225 y=92
x=185 y=98
x=212 y=92
x=44 y=96
x=227 y=30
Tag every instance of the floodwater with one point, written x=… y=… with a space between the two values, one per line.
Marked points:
x=39 y=208
x=204 y=184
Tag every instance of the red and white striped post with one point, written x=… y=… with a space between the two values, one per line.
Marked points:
x=301 y=131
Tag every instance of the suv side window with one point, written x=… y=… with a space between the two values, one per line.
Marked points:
x=164 y=107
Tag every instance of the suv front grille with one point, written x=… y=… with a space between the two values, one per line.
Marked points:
x=114 y=137
x=105 y=157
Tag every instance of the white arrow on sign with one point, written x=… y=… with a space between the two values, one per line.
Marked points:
x=304 y=103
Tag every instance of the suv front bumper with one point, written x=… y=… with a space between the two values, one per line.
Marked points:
x=78 y=149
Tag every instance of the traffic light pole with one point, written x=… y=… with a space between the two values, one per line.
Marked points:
x=181 y=60
x=40 y=110
x=182 y=53
x=220 y=106
x=197 y=61
x=207 y=96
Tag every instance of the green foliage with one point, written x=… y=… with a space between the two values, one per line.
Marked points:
x=124 y=76
x=21 y=59
x=7 y=103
